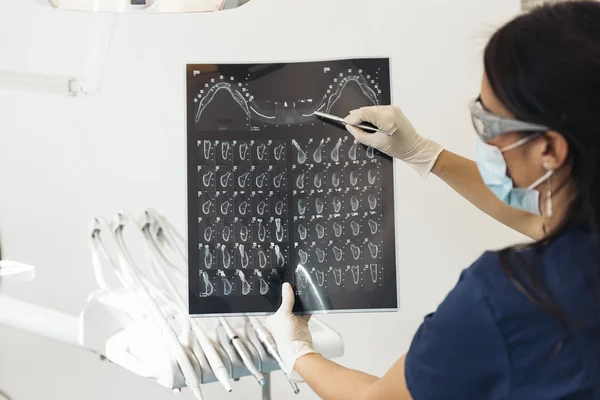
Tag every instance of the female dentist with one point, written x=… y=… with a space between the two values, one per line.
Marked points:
x=524 y=322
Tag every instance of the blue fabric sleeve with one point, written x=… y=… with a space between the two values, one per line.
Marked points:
x=458 y=352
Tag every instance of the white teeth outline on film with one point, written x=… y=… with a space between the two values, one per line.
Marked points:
x=372 y=201
x=243 y=151
x=227 y=286
x=277 y=180
x=373 y=226
x=320 y=255
x=243 y=207
x=320 y=231
x=355 y=203
x=260 y=151
x=208 y=286
x=371 y=177
x=264 y=286
x=279 y=207
x=262 y=232
x=317 y=155
x=355 y=274
x=278 y=230
x=317 y=181
x=243 y=179
x=226 y=234
x=225 y=179
x=245 y=285
x=303 y=256
x=353 y=178
x=337 y=275
x=206 y=206
x=337 y=229
x=337 y=205
x=262 y=258
x=244 y=259
x=301 y=276
x=208 y=259
x=278 y=152
x=352 y=151
x=320 y=277
x=302 y=232
x=335 y=153
x=261 y=207
x=279 y=256
x=335 y=179
x=225 y=207
x=225 y=147
x=370 y=152
x=319 y=205
x=373 y=274
x=208 y=234
x=337 y=253
x=373 y=249
x=207 y=177
x=301 y=154
x=207 y=148
x=244 y=233
x=355 y=251
x=260 y=180
x=301 y=207
x=355 y=228
x=300 y=181
x=226 y=257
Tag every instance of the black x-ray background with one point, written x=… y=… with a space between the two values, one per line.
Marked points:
x=225 y=119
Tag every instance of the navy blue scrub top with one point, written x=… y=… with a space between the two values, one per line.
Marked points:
x=489 y=341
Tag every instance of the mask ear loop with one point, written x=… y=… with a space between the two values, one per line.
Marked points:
x=549 y=192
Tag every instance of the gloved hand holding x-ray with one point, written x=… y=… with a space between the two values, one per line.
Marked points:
x=290 y=332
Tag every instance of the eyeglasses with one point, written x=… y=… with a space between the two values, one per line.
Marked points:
x=488 y=125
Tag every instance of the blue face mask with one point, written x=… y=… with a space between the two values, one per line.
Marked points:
x=493 y=170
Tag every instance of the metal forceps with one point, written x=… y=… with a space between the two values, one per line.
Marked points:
x=366 y=126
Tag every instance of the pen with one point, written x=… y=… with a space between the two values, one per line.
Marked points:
x=364 y=125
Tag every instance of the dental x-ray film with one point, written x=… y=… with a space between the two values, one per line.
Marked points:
x=277 y=195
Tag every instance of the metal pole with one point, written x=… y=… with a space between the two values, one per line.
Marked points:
x=266 y=389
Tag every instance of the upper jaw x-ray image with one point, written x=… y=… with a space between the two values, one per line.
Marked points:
x=275 y=195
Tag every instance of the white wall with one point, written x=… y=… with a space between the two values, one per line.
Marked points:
x=65 y=160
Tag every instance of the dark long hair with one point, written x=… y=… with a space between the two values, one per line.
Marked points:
x=544 y=67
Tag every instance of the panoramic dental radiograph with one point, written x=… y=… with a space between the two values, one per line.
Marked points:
x=276 y=195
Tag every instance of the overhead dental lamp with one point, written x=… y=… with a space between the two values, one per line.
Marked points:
x=527 y=5
x=107 y=11
x=147 y=6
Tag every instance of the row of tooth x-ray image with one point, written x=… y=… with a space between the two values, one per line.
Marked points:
x=277 y=195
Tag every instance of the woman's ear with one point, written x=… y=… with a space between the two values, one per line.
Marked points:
x=556 y=150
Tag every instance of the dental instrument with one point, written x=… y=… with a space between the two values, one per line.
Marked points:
x=116 y=323
x=209 y=351
x=268 y=342
x=241 y=351
x=171 y=340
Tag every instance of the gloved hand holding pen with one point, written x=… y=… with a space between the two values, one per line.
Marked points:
x=290 y=331
x=404 y=144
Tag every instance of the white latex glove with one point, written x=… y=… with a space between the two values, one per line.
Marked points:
x=290 y=332
x=405 y=143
